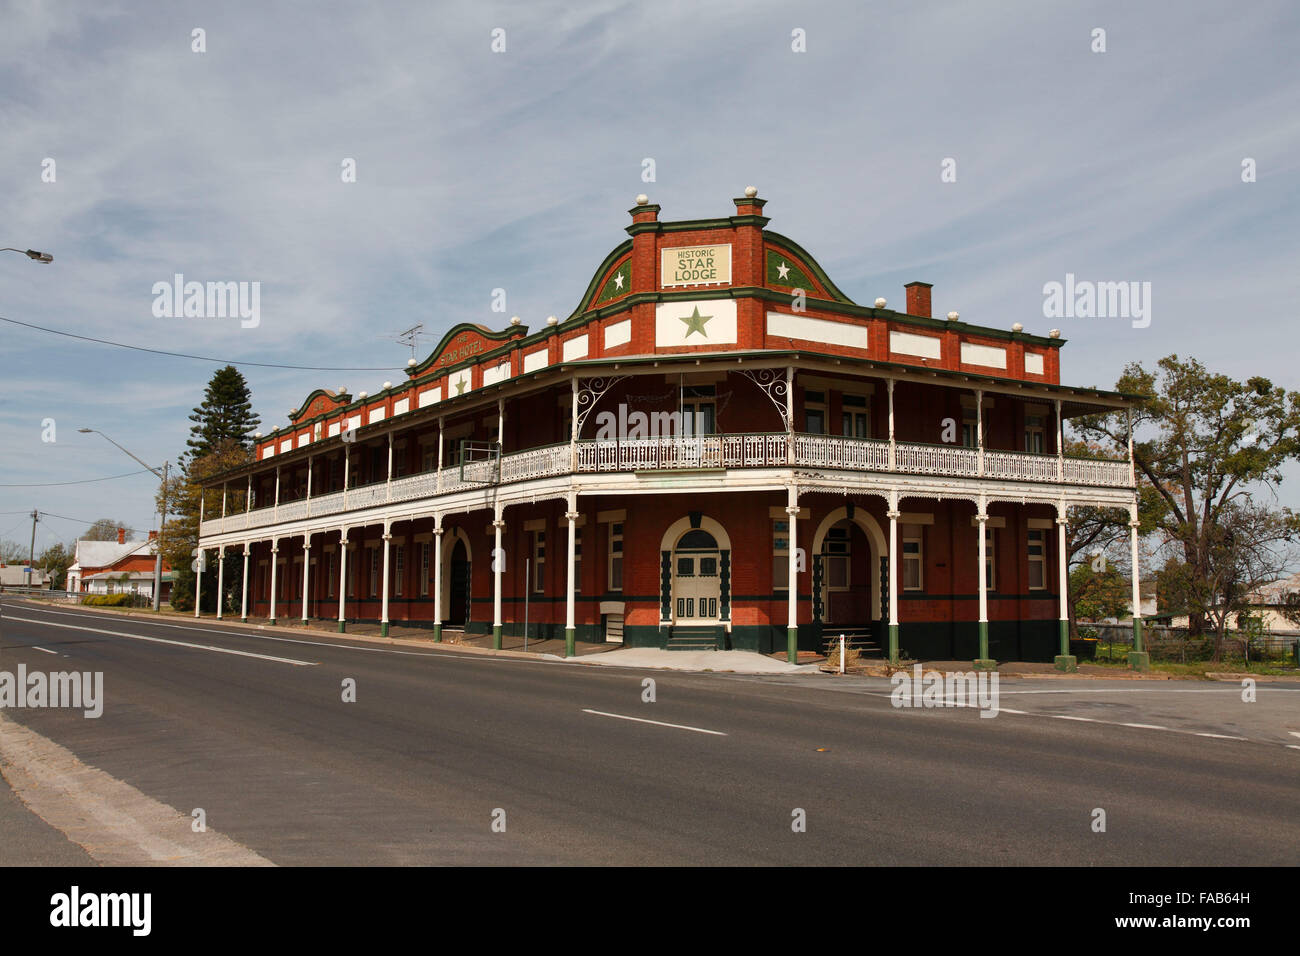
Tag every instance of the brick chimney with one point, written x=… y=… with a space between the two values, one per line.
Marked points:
x=153 y=535
x=121 y=536
x=918 y=298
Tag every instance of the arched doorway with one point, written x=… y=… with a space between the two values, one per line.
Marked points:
x=459 y=590
x=697 y=579
x=850 y=568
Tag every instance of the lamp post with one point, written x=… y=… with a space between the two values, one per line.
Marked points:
x=162 y=521
x=42 y=257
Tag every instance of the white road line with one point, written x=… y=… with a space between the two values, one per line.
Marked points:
x=159 y=640
x=1145 y=726
x=1221 y=736
x=1089 y=720
x=659 y=723
x=1293 y=746
x=55 y=653
x=1294 y=733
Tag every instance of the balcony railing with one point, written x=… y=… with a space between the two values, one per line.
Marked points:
x=676 y=453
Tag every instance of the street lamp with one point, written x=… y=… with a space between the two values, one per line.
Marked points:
x=44 y=257
x=162 y=521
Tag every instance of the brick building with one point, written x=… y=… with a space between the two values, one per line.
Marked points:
x=714 y=421
x=121 y=566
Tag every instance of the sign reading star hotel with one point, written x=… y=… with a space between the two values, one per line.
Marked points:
x=695 y=265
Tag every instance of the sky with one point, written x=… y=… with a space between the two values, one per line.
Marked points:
x=515 y=169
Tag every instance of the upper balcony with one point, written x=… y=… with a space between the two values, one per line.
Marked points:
x=677 y=453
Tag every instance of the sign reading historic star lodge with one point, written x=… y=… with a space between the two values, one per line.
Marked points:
x=695 y=265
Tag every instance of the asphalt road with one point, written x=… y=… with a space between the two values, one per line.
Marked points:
x=436 y=742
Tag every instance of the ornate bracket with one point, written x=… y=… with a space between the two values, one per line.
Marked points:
x=590 y=392
x=772 y=382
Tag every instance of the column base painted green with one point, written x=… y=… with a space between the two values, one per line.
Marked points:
x=383 y=629
x=244 y=620
x=1137 y=635
x=343 y=626
x=1139 y=661
x=984 y=644
x=496 y=637
x=893 y=643
x=1065 y=638
x=570 y=636
x=1068 y=663
x=271 y=622
x=437 y=633
x=984 y=664
x=792 y=645
x=305 y=622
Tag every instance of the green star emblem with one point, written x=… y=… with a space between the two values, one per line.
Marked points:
x=460 y=386
x=695 y=323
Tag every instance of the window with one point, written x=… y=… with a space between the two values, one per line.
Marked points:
x=539 y=560
x=969 y=425
x=814 y=412
x=853 y=416
x=1037 y=559
x=374 y=571
x=352 y=573
x=912 y=558
x=336 y=474
x=399 y=459
x=698 y=410
x=616 y=556
x=990 y=564
x=1034 y=434
x=837 y=555
x=781 y=554
x=330 y=576
x=399 y=564
x=424 y=569
x=429 y=455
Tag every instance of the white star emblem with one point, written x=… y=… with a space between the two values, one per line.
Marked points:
x=618 y=281
x=782 y=270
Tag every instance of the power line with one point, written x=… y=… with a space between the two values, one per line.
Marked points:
x=50 y=514
x=83 y=481
x=204 y=358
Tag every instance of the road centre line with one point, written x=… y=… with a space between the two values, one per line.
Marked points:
x=159 y=640
x=658 y=723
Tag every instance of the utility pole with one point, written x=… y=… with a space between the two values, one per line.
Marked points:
x=31 y=549
x=158 y=545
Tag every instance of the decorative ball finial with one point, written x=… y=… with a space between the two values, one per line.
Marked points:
x=751 y=192
x=552 y=320
x=515 y=320
x=387 y=386
x=410 y=362
x=1054 y=334
x=953 y=316
x=642 y=199
x=361 y=394
x=1017 y=327
x=880 y=303
x=257 y=434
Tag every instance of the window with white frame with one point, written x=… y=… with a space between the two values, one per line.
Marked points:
x=970 y=423
x=837 y=555
x=913 y=579
x=814 y=412
x=1034 y=430
x=781 y=554
x=616 y=555
x=539 y=561
x=1037 y=559
x=853 y=416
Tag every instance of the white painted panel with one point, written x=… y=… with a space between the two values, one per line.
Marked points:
x=303 y=439
x=498 y=374
x=376 y=414
x=401 y=406
x=460 y=383
x=430 y=395
x=575 y=348
x=908 y=343
x=985 y=355
x=334 y=429
x=1033 y=363
x=707 y=322
x=286 y=445
x=620 y=333
x=268 y=451
x=783 y=325
x=535 y=360
x=354 y=422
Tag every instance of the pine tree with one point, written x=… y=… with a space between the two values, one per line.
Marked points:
x=225 y=415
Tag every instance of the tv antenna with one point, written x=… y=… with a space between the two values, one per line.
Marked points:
x=411 y=337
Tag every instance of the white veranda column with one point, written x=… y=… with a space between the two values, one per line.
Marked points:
x=306 y=574
x=275 y=550
x=243 y=597
x=343 y=578
x=570 y=626
x=383 y=616
x=498 y=569
x=792 y=575
x=198 y=579
x=983 y=661
x=221 y=572
x=893 y=515
x=1064 y=661
x=437 y=578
